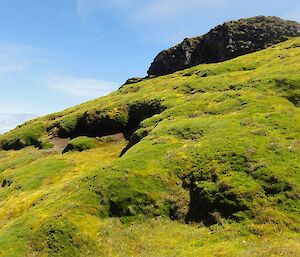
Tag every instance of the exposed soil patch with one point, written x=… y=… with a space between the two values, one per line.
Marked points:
x=113 y=138
x=59 y=144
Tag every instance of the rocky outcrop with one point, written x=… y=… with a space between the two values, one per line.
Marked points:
x=133 y=81
x=224 y=42
x=176 y=58
x=136 y=80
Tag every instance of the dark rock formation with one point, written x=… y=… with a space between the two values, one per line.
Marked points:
x=133 y=80
x=136 y=80
x=224 y=42
x=174 y=59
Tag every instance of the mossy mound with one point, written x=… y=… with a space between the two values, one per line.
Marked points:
x=80 y=144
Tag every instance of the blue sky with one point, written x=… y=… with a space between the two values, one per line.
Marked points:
x=58 y=53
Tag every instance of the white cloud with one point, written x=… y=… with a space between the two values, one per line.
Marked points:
x=169 y=21
x=144 y=10
x=10 y=121
x=84 y=88
x=86 y=7
x=17 y=57
x=155 y=21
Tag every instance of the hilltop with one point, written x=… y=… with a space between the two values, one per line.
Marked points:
x=201 y=162
x=226 y=41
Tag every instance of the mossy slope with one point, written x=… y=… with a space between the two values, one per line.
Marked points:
x=215 y=146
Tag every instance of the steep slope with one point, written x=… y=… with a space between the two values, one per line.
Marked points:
x=224 y=42
x=202 y=162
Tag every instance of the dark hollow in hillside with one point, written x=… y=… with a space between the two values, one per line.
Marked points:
x=136 y=114
x=206 y=208
x=288 y=89
x=97 y=124
x=224 y=42
x=19 y=143
x=125 y=120
x=210 y=199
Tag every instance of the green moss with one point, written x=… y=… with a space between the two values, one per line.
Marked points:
x=10 y=161
x=58 y=237
x=220 y=149
x=39 y=171
x=63 y=126
x=81 y=144
x=25 y=135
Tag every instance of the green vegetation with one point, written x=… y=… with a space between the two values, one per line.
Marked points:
x=201 y=162
x=81 y=144
x=25 y=135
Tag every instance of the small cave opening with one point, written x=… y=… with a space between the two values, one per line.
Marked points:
x=125 y=122
x=136 y=114
x=212 y=207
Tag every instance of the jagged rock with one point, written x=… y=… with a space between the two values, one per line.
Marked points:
x=174 y=59
x=241 y=37
x=136 y=80
x=133 y=80
x=224 y=42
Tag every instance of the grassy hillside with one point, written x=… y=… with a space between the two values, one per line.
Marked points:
x=202 y=162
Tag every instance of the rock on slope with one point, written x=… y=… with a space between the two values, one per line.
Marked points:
x=224 y=42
